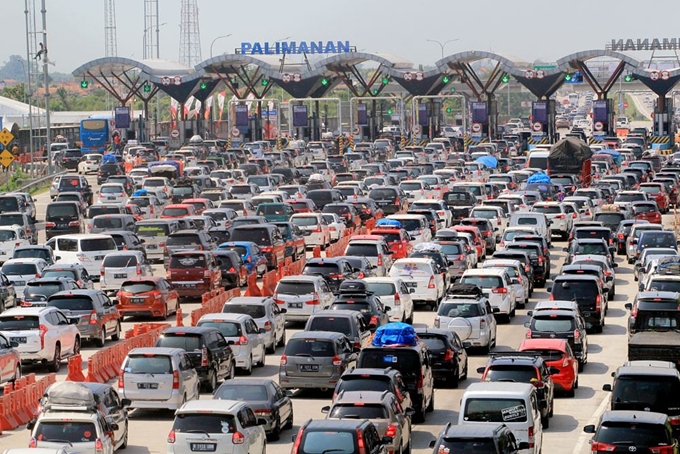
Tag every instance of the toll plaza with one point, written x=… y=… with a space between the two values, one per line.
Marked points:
x=661 y=83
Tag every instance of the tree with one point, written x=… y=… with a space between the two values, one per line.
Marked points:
x=16 y=92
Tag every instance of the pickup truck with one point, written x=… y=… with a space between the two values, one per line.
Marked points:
x=460 y=204
x=655 y=334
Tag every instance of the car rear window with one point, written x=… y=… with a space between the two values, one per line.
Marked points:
x=119 y=261
x=495 y=410
x=514 y=373
x=212 y=423
x=99 y=210
x=310 y=347
x=254 y=310
x=656 y=391
x=383 y=194
x=362 y=249
x=433 y=343
x=547 y=355
x=18 y=322
x=547 y=209
x=138 y=287
x=295 y=288
x=19 y=269
x=332 y=324
x=97 y=244
x=256 y=235
x=227 y=328
x=247 y=393
x=324 y=269
x=108 y=223
x=575 y=290
x=187 y=262
x=455 y=309
x=635 y=434
x=483 y=281
x=11 y=219
x=188 y=239
x=403 y=360
x=57 y=211
x=71 y=303
x=468 y=445
x=318 y=442
x=186 y=341
x=42 y=288
x=358 y=411
x=65 y=431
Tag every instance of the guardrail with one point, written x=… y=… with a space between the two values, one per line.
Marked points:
x=40 y=181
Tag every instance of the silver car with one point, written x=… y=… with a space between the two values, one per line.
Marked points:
x=470 y=317
x=267 y=315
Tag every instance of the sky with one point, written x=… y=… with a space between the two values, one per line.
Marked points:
x=525 y=29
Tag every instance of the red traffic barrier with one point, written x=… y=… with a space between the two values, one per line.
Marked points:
x=75 y=369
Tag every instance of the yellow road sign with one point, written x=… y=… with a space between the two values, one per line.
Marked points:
x=6 y=137
x=6 y=158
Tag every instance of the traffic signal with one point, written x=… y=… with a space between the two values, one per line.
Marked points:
x=389 y=111
x=204 y=85
x=385 y=81
x=375 y=92
x=568 y=77
x=453 y=89
x=505 y=79
x=147 y=87
x=446 y=79
x=628 y=78
x=265 y=82
x=324 y=82
x=84 y=83
x=448 y=110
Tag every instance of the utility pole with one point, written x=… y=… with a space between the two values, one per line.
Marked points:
x=46 y=61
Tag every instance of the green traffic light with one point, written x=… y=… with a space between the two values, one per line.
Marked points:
x=147 y=87
x=385 y=81
x=204 y=85
x=628 y=78
x=453 y=89
x=567 y=77
x=448 y=110
x=375 y=91
x=446 y=79
x=265 y=82
x=505 y=78
x=84 y=83
x=324 y=81
x=389 y=111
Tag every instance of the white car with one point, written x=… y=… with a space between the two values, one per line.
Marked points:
x=393 y=293
x=20 y=271
x=224 y=426
x=90 y=163
x=314 y=228
x=83 y=432
x=302 y=296
x=139 y=175
x=117 y=267
x=11 y=237
x=469 y=316
x=335 y=225
x=112 y=193
x=157 y=184
x=422 y=275
x=87 y=249
x=44 y=334
x=247 y=339
x=494 y=214
x=415 y=189
x=521 y=285
x=560 y=221
x=586 y=207
x=266 y=314
x=445 y=215
x=416 y=225
x=496 y=286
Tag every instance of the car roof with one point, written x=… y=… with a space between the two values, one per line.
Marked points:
x=371 y=397
x=165 y=351
x=335 y=424
x=471 y=431
x=330 y=335
x=639 y=417
x=31 y=310
x=544 y=344
x=221 y=406
x=488 y=389
x=554 y=313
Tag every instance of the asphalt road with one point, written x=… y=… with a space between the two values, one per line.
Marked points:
x=148 y=429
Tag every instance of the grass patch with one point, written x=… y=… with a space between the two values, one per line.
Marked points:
x=15 y=181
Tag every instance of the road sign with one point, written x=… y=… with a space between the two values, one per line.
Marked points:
x=544 y=67
x=174 y=134
x=598 y=126
x=408 y=76
x=417 y=129
x=476 y=127
x=625 y=104
x=285 y=78
x=165 y=80
x=297 y=77
x=6 y=158
x=235 y=132
x=177 y=80
x=540 y=74
x=654 y=75
x=419 y=76
x=665 y=75
x=6 y=137
x=529 y=74
x=537 y=127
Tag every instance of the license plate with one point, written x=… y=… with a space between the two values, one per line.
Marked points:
x=151 y=246
x=309 y=368
x=19 y=282
x=136 y=300
x=412 y=284
x=21 y=340
x=188 y=285
x=120 y=276
x=62 y=226
x=295 y=305
x=203 y=447
x=147 y=385
x=382 y=204
x=110 y=197
x=99 y=257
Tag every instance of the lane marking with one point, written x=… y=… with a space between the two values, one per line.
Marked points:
x=582 y=439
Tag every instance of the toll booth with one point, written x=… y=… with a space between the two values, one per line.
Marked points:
x=604 y=122
x=542 y=123
x=482 y=128
x=662 y=124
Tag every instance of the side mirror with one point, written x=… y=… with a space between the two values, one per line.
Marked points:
x=411 y=290
x=58 y=257
x=527 y=324
x=386 y=440
x=523 y=445
x=480 y=370
x=231 y=342
x=73 y=321
x=615 y=265
x=30 y=425
x=261 y=422
x=566 y=249
x=114 y=426
x=125 y=402
x=387 y=309
x=549 y=289
x=530 y=313
x=410 y=412
x=641 y=287
x=325 y=409
x=589 y=429
x=14 y=344
x=434 y=442
x=496 y=310
x=283 y=310
x=467 y=345
x=628 y=306
x=261 y=331
x=607 y=387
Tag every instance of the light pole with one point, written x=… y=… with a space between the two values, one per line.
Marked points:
x=442 y=45
x=213 y=42
x=144 y=53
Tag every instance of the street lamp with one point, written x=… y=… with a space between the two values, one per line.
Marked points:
x=213 y=42
x=144 y=55
x=442 y=45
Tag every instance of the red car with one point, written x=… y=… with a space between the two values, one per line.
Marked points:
x=480 y=244
x=647 y=211
x=302 y=205
x=147 y=296
x=194 y=273
x=199 y=204
x=178 y=210
x=657 y=193
x=558 y=354
x=398 y=239
x=10 y=361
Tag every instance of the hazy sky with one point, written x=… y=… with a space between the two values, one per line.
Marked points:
x=529 y=29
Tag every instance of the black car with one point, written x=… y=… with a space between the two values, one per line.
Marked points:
x=540 y=262
x=265 y=397
x=449 y=358
x=485 y=439
x=109 y=169
x=127 y=241
x=632 y=431
x=37 y=291
x=378 y=379
x=63 y=218
x=352 y=435
x=561 y=324
x=355 y=296
x=230 y=263
x=70 y=158
x=8 y=295
x=334 y=270
x=208 y=349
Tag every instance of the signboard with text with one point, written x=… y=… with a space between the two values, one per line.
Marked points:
x=241 y=114
x=300 y=116
x=480 y=112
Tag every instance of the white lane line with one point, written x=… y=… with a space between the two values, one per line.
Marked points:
x=583 y=438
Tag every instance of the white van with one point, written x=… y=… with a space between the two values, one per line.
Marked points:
x=119 y=266
x=87 y=249
x=538 y=160
x=513 y=404
x=537 y=221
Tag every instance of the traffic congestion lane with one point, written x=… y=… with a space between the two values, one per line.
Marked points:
x=148 y=429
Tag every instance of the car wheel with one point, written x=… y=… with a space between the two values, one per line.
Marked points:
x=430 y=407
x=552 y=408
x=211 y=387
x=232 y=372
x=76 y=346
x=116 y=334
x=276 y=431
x=165 y=312
x=282 y=341
x=271 y=348
x=249 y=369
x=101 y=340
x=260 y=363
x=55 y=364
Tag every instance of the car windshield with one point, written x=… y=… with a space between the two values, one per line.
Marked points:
x=212 y=423
x=227 y=328
x=65 y=431
x=658 y=392
x=71 y=303
x=363 y=411
x=495 y=410
x=514 y=373
x=632 y=434
x=310 y=347
x=295 y=288
x=254 y=310
x=18 y=322
x=382 y=288
x=185 y=341
x=362 y=249
x=246 y=393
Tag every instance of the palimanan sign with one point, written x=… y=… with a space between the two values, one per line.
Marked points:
x=644 y=44
x=293 y=47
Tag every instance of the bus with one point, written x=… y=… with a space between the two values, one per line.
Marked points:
x=94 y=135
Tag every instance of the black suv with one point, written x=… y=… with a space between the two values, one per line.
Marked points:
x=354 y=295
x=645 y=386
x=560 y=324
x=498 y=440
x=632 y=431
x=109 y=169
x=333 y=270
x=230 y=263
x=449 y=358
x=37 y=291
x=587 y=292
x=63 y=218
x=415 y=365
x=208 y=349
x=521 y=367
x=70 y=158
x=378 y=379
x=344 y=435
x=391 y=199
x=540 y=261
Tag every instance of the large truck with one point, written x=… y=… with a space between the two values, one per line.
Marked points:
x=571 y=156
x=654 y=332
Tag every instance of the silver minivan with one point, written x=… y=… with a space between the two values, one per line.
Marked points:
x=118 y=267
x=302 y=296
x=158 y=377
x=155 y=233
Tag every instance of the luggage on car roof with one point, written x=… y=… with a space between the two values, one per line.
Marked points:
x=465 y=289
x=354 y=286
x=395 y=334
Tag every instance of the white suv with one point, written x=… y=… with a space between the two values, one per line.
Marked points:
x=217 y=426
x=44 y=334
x=560 y=221
x=496 y=286
x=302 y=296
x=83 y=432
x=314 y=228
x=20 y=271
x=393 y=293
x=469 y=316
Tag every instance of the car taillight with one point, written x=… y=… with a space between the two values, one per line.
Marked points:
x=121 y=379
x=267 y=326
x=431 y=283
x=139 y=269
x=284 y=360
x=540 y=260
x=419 y=383
x=530 y=435
x=661 y=450
x=73 y=224
x=171 y=437
x=50 y=224
x=238 y=438
x=93 y=318
x=449 y=355
x=33 y=443
x=243 y=340
x=175 y=379
x=675 y=420
x=397 y=299
x=573 y=215
x=317 y=229
x=206 y=274
x=204 y=357
x=315 y=301
x=528 y=334
x=602 y=447
x=397 y=201
x=598 y=302
x=298 y=440
x=98 y=445
x=436 y=321
x=502 y=290
x=620 y=236
x=361 y=445
x=391 y=431
x=559 y=216
x=337 y=361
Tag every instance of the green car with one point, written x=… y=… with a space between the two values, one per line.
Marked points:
x=275 y=212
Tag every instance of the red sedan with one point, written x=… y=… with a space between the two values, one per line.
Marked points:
x=657 y=193
x=398 y=239
x=647 y=211
x=558 y=354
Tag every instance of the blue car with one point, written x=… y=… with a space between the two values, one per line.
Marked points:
x=253 y=258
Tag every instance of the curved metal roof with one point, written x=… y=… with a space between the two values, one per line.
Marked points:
x=472 y=56
x=153 y=69
x=226 y=62
x=564 y=63
x=391 y=64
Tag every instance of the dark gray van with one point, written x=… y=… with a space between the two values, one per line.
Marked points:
x=63 y=218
